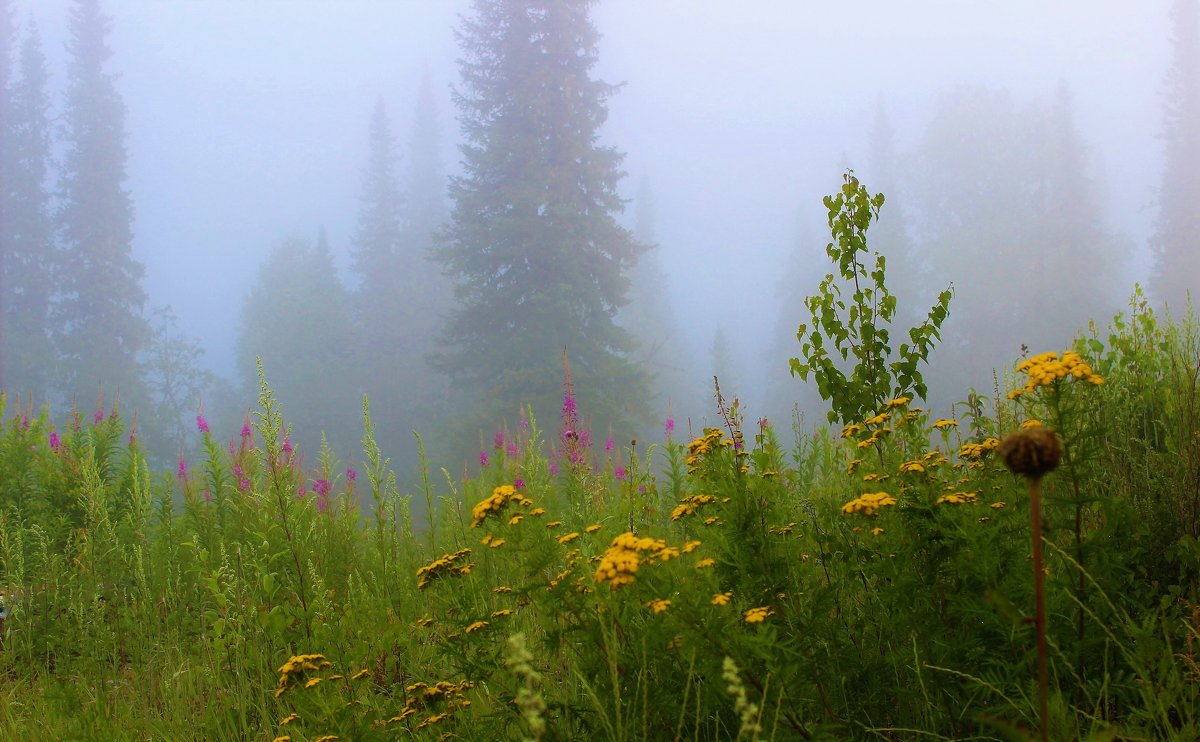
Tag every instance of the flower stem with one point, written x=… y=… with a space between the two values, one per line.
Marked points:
x=1039 y=593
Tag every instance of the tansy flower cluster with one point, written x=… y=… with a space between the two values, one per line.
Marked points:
x=703 y=445
x=757 y=615
x=659 y=605
x=422 y=696
x=690 y=504
x=622 y=558
x=868 y=503
x=977 y=450
x=296 y=666
x=444 y=565
x=1045 y=369
x=496 y=502
x=958 y=498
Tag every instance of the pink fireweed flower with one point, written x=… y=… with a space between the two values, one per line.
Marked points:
x=24 y=423
x=98 y=416
x=321 y=488
x=54 y=441
x=510 y=449
x=201 y=423
x=519 y=483
x=243 y=484
x=498 y=441
x=351 y=475
x=181 y=472
x=301 y=491
x=609 y=444
x=553 y=468
x=483 y=458
x=246 y=430
x=669 y=427
x=619 y=473
x=287 y=446
x=237 y=470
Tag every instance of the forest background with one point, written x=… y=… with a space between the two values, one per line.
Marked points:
x=1040 y=171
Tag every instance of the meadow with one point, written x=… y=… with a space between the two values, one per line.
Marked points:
x=870 y=582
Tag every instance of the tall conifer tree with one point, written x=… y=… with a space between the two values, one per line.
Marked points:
x=26 y=230
x=660 y=348
x=297 y=318
x=1176 y=239
x=539 y=257
x=6 y=45
x=98 y=308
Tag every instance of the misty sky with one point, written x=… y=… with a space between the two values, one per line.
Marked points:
x=247 y=121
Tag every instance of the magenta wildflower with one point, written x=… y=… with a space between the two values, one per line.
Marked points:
x=301 y=491
x=54 y=441
x=553 y=469
x=243 y=484
x=510 y=449
x=182 y=471
x=237 y=470
x=246 y=430
x=483 y=458
x=287 y=446
x=619 y=473
x=201 y=423
x=24 y=423
x=609 y=444
x=670 y=426
x=321 y=488
x=351 y=475
x=522 y=423
x=519 y=483
x=98 y=416
x=498 y=441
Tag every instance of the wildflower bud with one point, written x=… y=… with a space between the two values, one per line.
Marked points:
x=1032 y=452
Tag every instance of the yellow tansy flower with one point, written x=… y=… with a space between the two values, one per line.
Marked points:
x=658 y=605
x=757 y=615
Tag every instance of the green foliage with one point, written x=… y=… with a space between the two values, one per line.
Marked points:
x=861 y=326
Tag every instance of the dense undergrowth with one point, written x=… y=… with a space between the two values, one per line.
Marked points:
x=873 y=582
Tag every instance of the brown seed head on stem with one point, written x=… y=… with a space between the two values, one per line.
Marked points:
x=1032 y=452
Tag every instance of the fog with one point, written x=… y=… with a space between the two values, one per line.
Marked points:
x=247 y=123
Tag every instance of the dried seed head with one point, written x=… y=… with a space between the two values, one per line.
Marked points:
x=1032 y=452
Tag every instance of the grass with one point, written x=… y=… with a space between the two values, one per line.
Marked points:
x=714 y=585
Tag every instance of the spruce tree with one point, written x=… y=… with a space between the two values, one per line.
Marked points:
x=97 y=311
x=1176 y=238
x=1006 y=211
x=26 y=230
x=540 y=260
x=379 y=300
x=6 y=45
x=297 y=319
x=659 y=345
x=426 y=289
